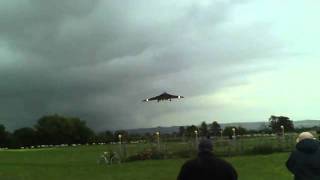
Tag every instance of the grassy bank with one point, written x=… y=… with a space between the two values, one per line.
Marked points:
x=80 y=164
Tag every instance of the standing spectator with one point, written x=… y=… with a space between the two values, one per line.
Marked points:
x=207 y=166
x=304 y=162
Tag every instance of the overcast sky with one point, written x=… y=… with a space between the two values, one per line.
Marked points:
x=233 y=60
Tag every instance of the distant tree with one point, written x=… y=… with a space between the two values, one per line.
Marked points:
x=124 y=135
x=4 y=136
x=303 y=129
x=55 y=129
x=105 y=137
x=215 y=129
x=108 y=135
x=265 y=129
x=204 y=129
x=238 y=131
x=148 y=137
x=252 y=131
x=241 y=130
x=182 y=131
x=24 y=137
x=228 y=131
x=174 y=134
x=190 y=131
x=275 y=123
x=135 y=137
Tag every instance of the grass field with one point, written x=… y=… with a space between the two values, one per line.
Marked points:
x=79 y=163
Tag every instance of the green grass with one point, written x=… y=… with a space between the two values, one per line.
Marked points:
x=262 y=167
x=80 y=163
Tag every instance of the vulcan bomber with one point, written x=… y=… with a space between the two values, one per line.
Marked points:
x=163 y=97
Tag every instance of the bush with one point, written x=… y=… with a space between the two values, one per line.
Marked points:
x=185 y=153
x=146 y=154
x=264 y=149
x=222 y=143
x=158 y=155
x=135 y=157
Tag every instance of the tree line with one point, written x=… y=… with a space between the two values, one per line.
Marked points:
x=60 y=130
x=213 y=130
x=274 y=125
x=49 y=130
x=56 y=130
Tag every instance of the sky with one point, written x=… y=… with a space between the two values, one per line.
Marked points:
x=232 y=60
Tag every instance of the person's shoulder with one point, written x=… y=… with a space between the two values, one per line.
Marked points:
x=220 y=160
x=226 y=168
x=224 y=163
x=190 y=162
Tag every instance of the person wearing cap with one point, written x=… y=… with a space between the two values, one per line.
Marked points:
x=304 y=162
x=207 y=166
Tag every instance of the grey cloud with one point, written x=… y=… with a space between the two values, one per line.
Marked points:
x=98 y=59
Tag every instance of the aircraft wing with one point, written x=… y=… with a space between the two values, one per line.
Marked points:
x=174 y=96
x=163 y=97
x=150 y=99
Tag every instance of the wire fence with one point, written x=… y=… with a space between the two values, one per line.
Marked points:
x=241 y=145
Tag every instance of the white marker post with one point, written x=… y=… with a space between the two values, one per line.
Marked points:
x=120 y=136
x=196 y=140
x=234 y=133
x=283 y=138
x=282 y=129
x=158 y=140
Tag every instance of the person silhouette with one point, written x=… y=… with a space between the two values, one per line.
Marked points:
x=304 y=161
x=207 y=166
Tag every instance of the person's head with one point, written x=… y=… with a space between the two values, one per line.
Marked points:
x=205 y=145
x=304 y=135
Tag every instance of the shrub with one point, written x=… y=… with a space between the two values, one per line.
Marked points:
x=222 y=143
x=135 y=157
x=185 y=153
x=149 y=153
x=264 y=149
x=158 y=155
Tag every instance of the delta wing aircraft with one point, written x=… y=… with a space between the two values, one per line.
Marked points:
x=163 y=97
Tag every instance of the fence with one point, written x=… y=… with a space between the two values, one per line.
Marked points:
x=222 y=146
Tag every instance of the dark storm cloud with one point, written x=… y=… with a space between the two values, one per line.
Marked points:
x=98 y=59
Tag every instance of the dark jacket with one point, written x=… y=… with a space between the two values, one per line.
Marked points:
x=304 y=162
x=207 y=167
